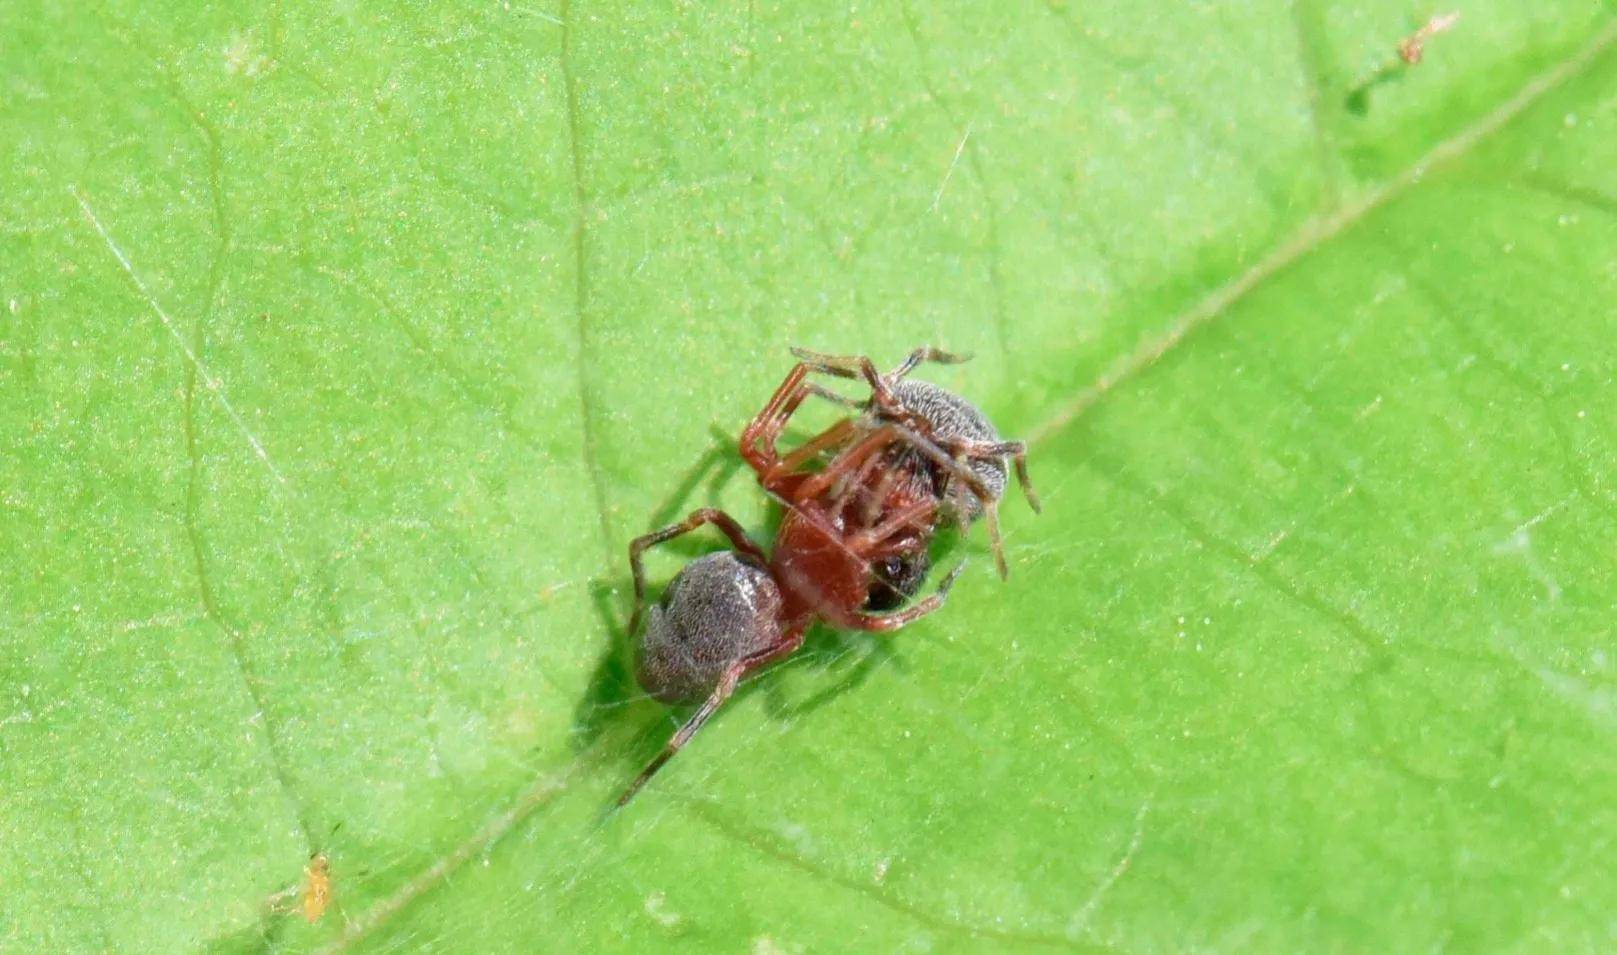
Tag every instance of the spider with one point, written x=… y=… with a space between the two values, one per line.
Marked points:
x=853 y=540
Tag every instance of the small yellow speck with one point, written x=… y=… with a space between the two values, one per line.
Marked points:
x=316 y=888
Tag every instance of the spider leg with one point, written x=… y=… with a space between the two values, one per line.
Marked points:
x=925 y=353
x=858 y=366
x=950 y=463
x=705 y=515
x=819 y=390
x=996 y=450
x=834 y=437
x=850 y=366
x=854 y=458
x=851 y=460
x=995 y=542
x=726 y=686
x=759 y=437
x=886 y=623
x=876 y=498
x=887 y=434
x=783 y=481
x=956 y=467
x=853 y=489
x=911 y=517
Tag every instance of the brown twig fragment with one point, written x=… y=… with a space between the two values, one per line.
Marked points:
x=1411 y=48
x=1409 y=52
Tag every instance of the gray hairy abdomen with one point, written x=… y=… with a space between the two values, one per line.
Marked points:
x=717 y=610
x=951 y=417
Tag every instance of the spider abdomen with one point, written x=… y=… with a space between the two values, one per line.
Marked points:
x=952 y=418
x=719 y=609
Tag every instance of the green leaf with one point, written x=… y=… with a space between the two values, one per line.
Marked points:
x=344 y=349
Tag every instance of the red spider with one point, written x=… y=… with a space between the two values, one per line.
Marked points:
x=854 y=537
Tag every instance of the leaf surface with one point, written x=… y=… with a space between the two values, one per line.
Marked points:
x=344 y=350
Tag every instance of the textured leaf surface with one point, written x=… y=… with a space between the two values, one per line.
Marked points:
x=344 y=349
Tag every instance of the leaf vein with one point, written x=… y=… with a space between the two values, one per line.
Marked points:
x=1317 y=232
x=589 y=439
x=206 y=592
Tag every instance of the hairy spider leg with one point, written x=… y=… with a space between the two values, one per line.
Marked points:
x=957 y=468
x=705 y=515
x=879 y=438
x=873 y=499
x=841 y=435
x=772 y=420
x=886 y=435
x=785 y=487
x=836 y=397
x=860 y=366
x=857 y=366
x=782 y=480
x=759 y=437
x=911 y=516
x=925 y=353
x=856 y=489
x=852 y=487
x=733 y=675
x=850 y=366
x=835 y=478
x=996 y=543
x=995 y=450
x=958 y=452
x=918 y=516
x=967 y=450
x=833 y=438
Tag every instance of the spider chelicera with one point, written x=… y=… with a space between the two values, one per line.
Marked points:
x=854 y=538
